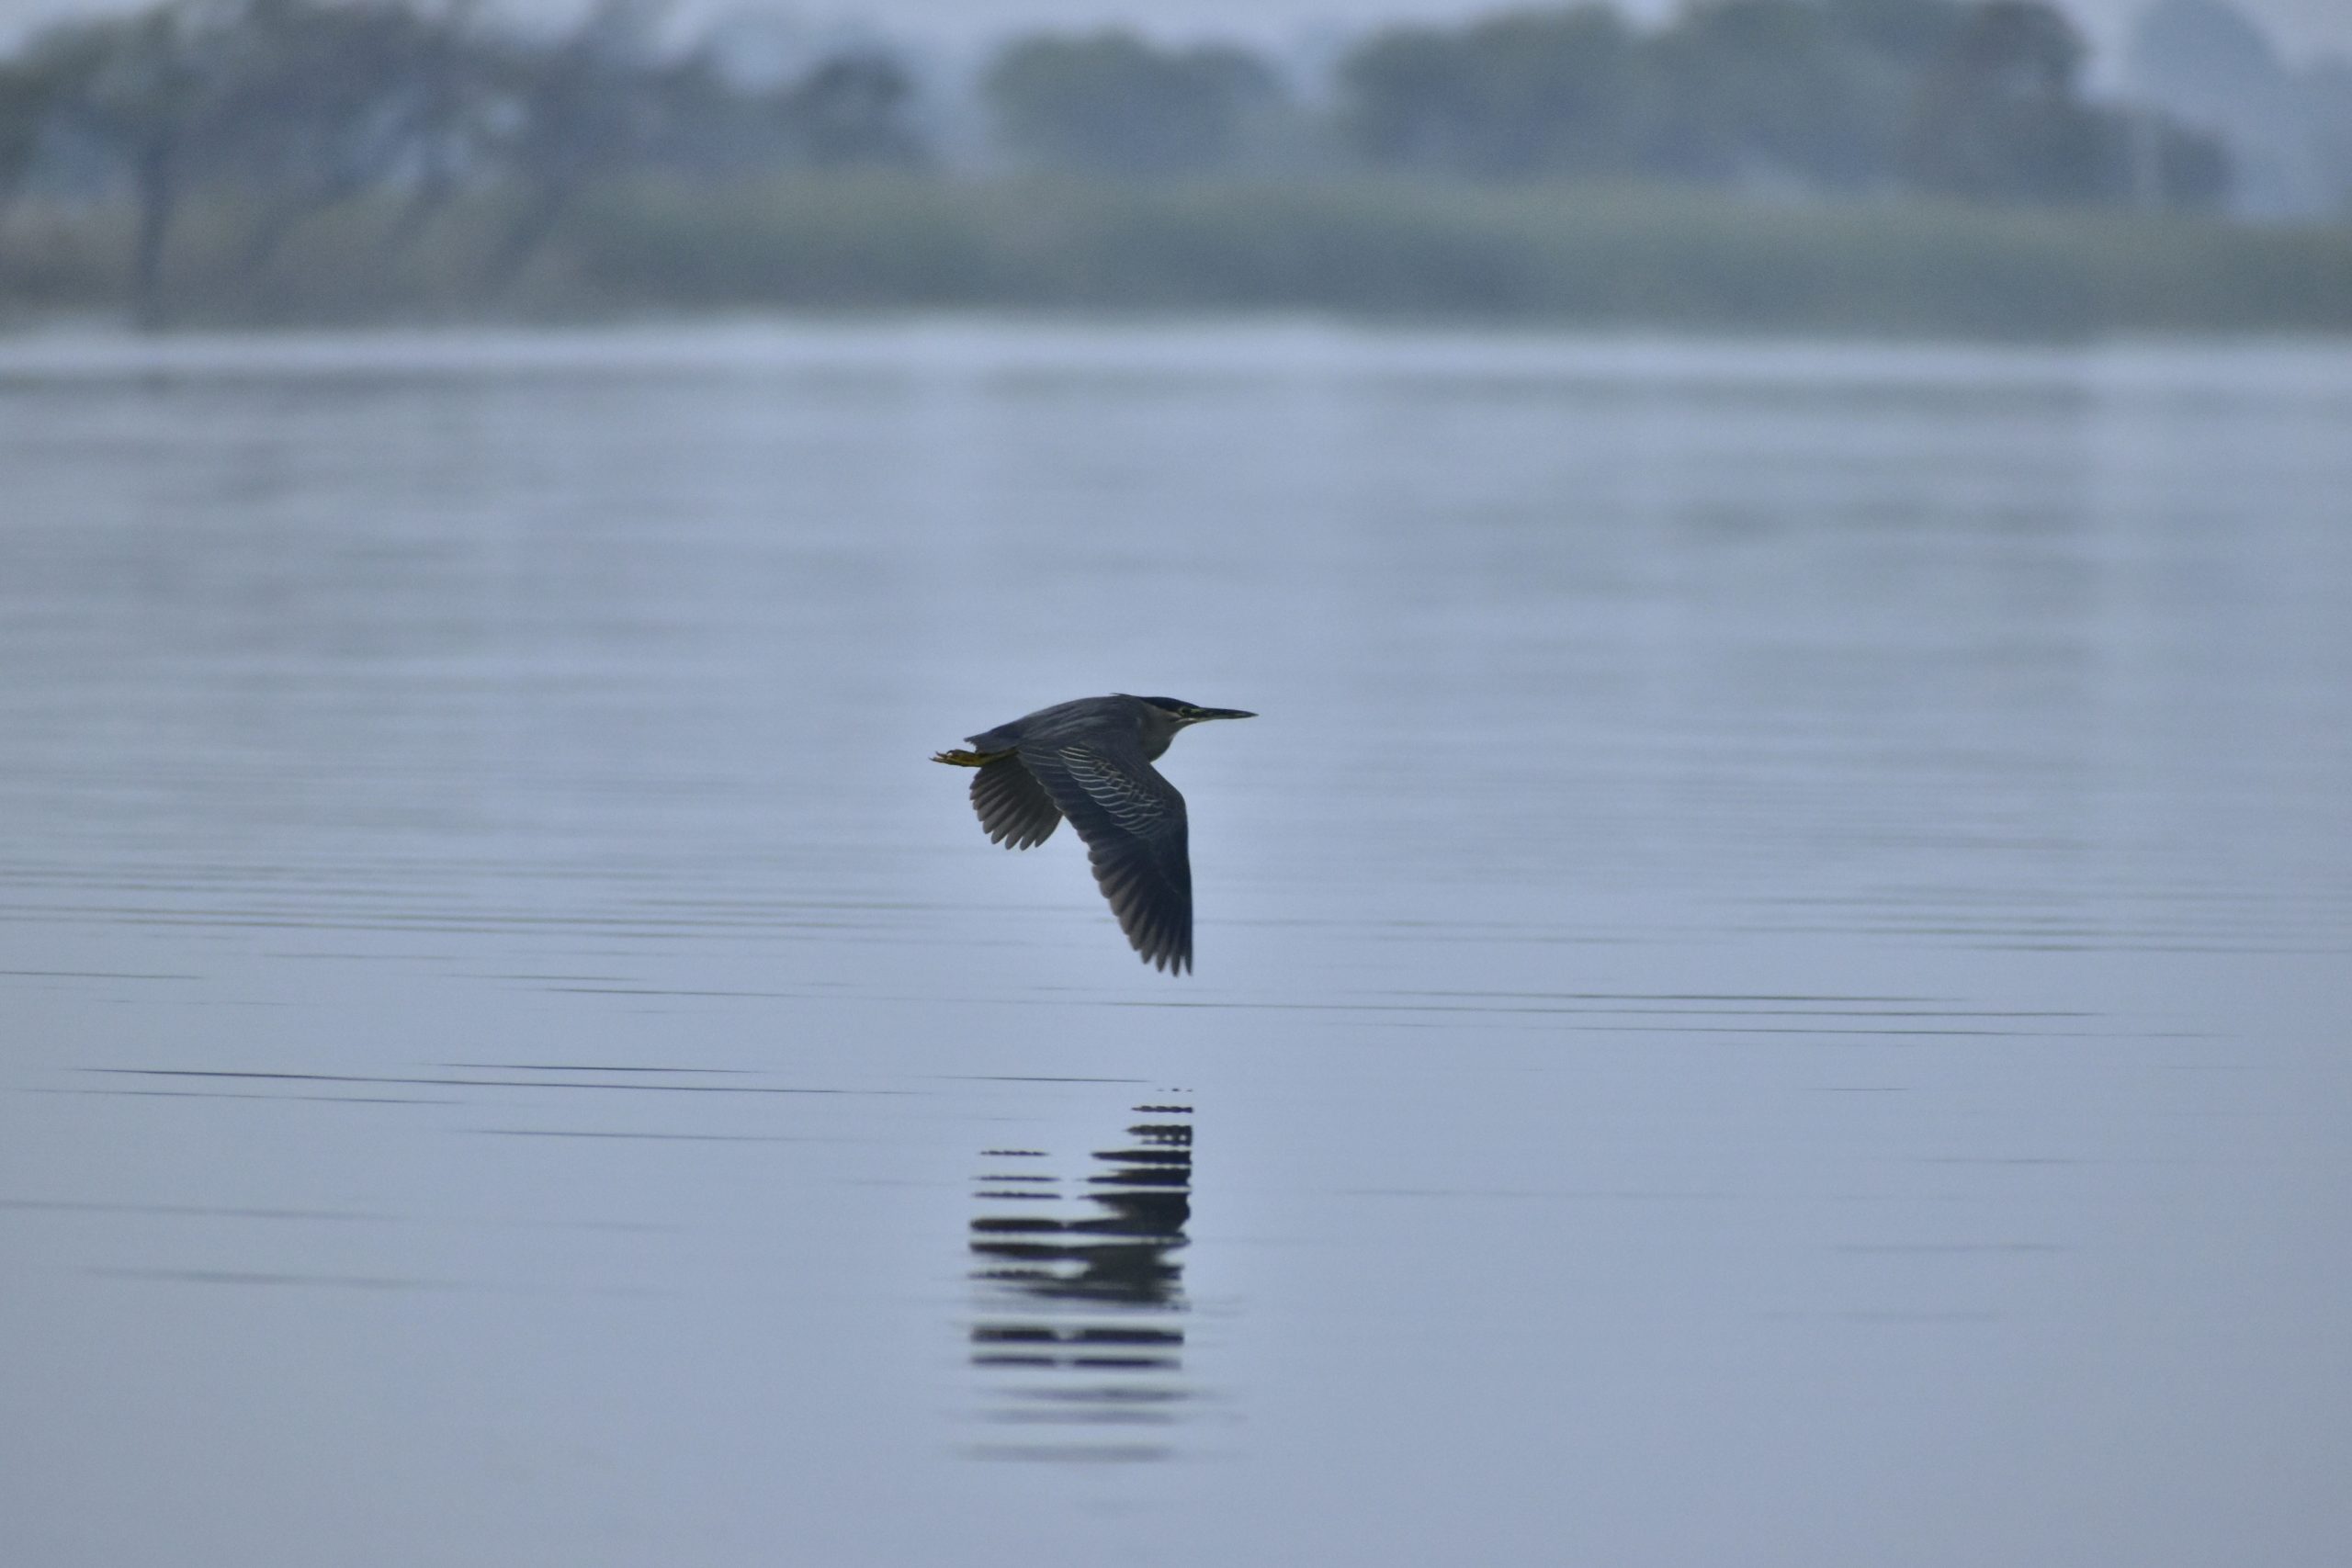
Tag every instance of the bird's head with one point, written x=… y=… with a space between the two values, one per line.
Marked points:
x=1183 y=714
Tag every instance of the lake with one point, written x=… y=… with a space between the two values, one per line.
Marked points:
x=1771 y=989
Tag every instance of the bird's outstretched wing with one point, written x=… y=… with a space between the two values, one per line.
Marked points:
x=1133 y=822
x=1014 y=809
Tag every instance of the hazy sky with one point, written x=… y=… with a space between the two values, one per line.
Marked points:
x=2301 y=28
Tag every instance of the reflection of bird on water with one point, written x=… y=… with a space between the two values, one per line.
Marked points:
x=1090 y=761
x=1119 y=1255
x=1093 y=1295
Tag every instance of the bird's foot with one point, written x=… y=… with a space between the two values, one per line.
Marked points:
x=962 y=759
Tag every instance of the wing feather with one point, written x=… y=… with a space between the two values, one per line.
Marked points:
x=1133 y=822
x=1014 y=808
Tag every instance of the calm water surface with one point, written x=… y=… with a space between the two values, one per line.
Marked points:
x=1772 y=981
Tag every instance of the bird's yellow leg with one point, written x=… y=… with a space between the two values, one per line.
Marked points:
x=969 y=759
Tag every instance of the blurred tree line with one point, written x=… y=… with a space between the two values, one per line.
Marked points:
x=279 y=110
x=274 y=112
x=1981 y=99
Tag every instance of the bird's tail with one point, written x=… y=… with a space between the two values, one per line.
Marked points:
x=961 y=759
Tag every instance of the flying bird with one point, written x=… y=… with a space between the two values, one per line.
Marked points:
x=1090 y=761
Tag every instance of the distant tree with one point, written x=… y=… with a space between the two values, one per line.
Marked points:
x=692 y=120
x=27 y=95
x=320 y=102
x=456 y=111
x=2209 y=60
x=2209 y=64
x=1745 y=89
x=1814 y=92
x=1904 y=36
x=583 y=111
x=154 y=94
x=2327 y=99
x=853 y=109
x=277 y=109
x=2186 y=167
x=1999 y=116
x=1113 y=103
x=1525 y=93
x=291 y=104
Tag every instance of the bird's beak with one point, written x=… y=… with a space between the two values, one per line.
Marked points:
x=1200 y=714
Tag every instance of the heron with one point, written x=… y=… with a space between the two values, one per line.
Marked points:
x=1090 y=761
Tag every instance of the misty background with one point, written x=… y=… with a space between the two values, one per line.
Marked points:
x=1940 y=165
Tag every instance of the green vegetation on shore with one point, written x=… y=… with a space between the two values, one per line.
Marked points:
x=1922 y=166
x=1661 y=256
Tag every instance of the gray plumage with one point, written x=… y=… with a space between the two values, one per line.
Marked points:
x=1089 y=760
